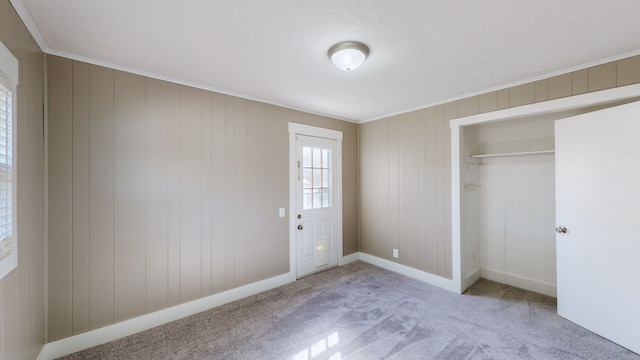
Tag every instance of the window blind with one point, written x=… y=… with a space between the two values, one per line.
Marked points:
x=9 y=71
x=6 y=165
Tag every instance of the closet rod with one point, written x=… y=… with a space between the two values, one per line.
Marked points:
x=513 y=154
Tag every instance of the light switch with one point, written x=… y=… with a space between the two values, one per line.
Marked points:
x=281 y=212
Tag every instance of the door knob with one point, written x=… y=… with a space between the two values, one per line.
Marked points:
x=299 y=227
x=561 y=230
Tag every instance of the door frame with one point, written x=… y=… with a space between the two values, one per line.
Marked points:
x=463 y=275
x=308 y=130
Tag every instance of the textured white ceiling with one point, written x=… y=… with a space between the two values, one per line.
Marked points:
x=423 y=52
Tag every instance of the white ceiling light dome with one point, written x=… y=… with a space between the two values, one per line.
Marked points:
x=348 y=55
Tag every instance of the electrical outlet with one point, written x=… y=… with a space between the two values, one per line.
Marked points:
x=395 y=253
x=281 y=212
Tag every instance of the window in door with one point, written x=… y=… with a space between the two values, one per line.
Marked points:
x=316 y=179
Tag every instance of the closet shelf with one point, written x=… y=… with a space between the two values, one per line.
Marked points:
x=513 y=154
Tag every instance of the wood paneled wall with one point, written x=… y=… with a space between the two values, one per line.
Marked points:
x=22 y=290
x=161 y=193
x=404 y=190
x=405 y=195
x=516 y=214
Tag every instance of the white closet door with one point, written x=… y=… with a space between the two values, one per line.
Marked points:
x=598 y=201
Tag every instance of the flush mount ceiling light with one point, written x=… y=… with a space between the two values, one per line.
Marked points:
x=348 y=55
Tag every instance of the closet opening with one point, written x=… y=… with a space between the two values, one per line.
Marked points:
x=503 y=190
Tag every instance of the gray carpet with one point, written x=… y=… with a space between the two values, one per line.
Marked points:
x=359 y=311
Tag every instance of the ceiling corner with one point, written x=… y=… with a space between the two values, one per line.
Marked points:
x=31 y=26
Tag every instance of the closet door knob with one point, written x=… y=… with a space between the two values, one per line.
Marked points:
x=561 y=230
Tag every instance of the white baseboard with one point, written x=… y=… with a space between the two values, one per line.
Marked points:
x=348 y=258
x=519 y=281
x=424 y=276
x=470 y=278
x=109 y=333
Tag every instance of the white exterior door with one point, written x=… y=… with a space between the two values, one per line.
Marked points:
x=316 y=204
x=598 y=202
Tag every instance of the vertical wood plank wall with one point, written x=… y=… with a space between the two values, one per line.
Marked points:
x=516 y=218
x=405 y=178
x=395 y=212
x=22 y=291
x=162 y=193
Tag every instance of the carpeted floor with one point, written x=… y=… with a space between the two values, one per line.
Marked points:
x=359 y=311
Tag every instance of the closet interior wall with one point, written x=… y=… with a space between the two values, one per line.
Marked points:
x=509 y=202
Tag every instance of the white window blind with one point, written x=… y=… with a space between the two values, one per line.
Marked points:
x=8 y=232
x=6 y=172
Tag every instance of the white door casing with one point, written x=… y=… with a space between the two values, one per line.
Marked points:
x=315 y=221
x=597 y=202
